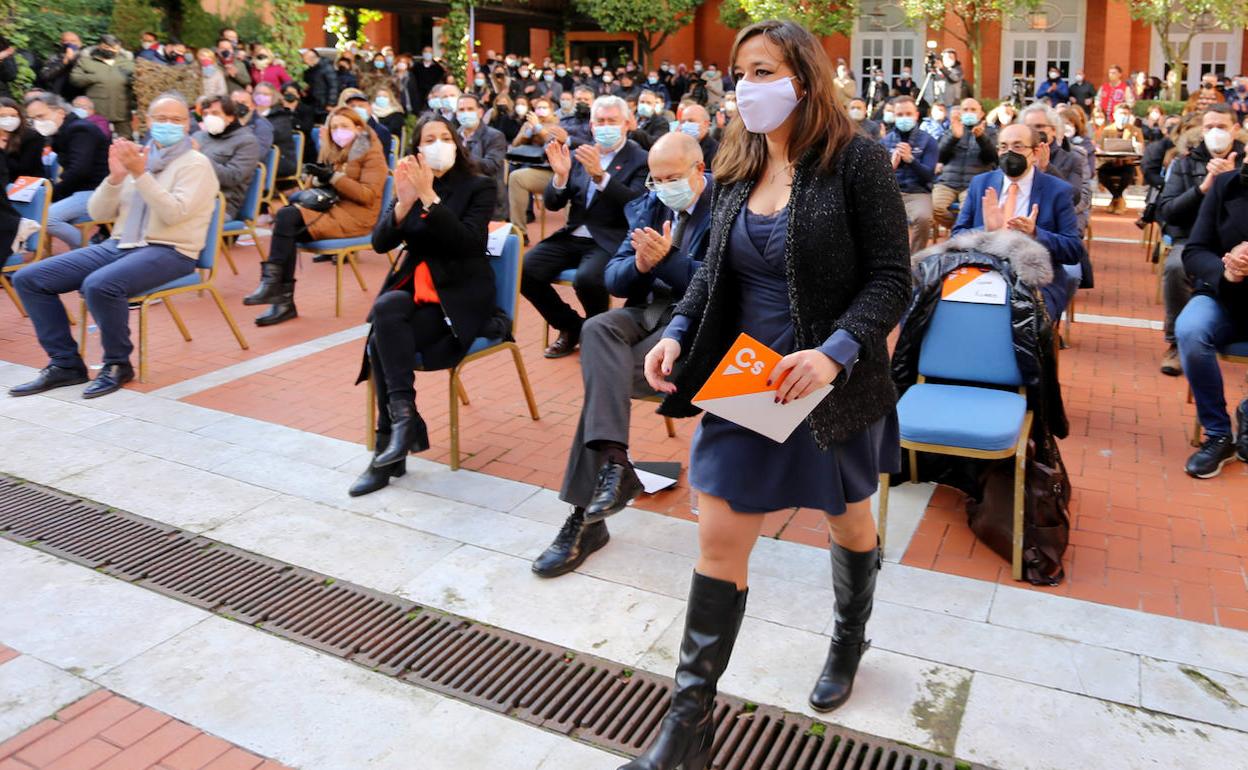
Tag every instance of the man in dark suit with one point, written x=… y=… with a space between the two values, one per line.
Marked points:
x=1018 y=196
x=597 y=179
x=486 y=145
x=668 y=235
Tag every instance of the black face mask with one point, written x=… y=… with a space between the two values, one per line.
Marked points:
x=241 y=110
x=1013 y=164
x=582 y=110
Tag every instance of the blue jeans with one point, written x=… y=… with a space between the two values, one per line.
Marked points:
x=108 y=277
x=1202 y=328
x=65 y=211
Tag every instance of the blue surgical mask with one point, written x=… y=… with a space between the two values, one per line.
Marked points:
x=888 y=118
x=467 y=118
x=652 y=81
x=382 y=102
x=363 y=113
x=970 y=119
x=166 y=134
x=645 y=110
x=690 y=128
x=607 y=136
x=561 y=72
x=905 y=124
x=677 y=196
x=381 y=65
x=548 y=78
x=80 y=112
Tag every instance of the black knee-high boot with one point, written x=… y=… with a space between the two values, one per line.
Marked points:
x=712 y=620
x=853 y=579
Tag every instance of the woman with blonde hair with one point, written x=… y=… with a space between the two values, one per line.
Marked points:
x=808 y=254
x=351 y=170
x=212 y=77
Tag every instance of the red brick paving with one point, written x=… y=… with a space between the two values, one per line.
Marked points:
x=103 y=731
x=1144 y=535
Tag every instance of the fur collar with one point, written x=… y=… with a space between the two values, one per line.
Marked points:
x=359 y=147
x=1029 y=260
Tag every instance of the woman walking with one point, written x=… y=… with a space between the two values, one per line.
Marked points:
x=809 y=255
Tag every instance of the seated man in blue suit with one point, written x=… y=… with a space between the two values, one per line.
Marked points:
x=652 y=268
x=1018 y=196
x=597 y=179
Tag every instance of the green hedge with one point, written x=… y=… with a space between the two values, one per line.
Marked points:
x=1167 y=108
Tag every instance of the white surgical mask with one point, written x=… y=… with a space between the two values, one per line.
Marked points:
x=857 y=115
x=439 y=155
x=765 y=106
x=213 y=124
x=45 y=127
x=10 y=123
x=1218 y=140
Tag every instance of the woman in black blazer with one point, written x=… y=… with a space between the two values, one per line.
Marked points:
x=20 y=145
x=439 y=297
x=808 y=255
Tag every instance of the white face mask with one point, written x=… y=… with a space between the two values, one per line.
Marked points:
x=10 y=123
x=45 y=127
x=765 y=106
x=213 y=124
x=1218 y=140
x=439 y=155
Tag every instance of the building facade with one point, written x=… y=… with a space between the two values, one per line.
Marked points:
x=1071 y=35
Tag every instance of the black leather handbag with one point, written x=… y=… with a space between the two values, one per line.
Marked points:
x=315 y=198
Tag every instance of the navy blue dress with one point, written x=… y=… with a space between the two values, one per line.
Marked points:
x=797 y=472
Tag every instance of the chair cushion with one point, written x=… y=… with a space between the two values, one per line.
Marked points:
x=1235 y=349
x=191 y=279
x=481 y=343
x=333 y=244
x=961 y=416
x=234 y=226
x=567 y=276
x=13 y=260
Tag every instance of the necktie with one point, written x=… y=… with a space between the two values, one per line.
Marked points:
x=678 y=231
x=1011 y=201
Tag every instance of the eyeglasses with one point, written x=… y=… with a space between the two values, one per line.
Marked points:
x=1013 y=147
x=653 y=184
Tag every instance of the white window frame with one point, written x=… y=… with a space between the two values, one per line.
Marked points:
x=896 y=32
x=1234 y=50
x=1042 y=38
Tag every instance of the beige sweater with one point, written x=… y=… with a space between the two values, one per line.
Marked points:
x=180 y=200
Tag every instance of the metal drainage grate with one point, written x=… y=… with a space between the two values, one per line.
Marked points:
x=581 y=696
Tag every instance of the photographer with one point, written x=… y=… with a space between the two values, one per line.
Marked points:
x=947 y=83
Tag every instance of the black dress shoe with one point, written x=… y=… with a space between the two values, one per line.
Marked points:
x=323 y=258
x=616 y=487
x=109 y=380
x=564 y=345
x=373 y=479
x=572 y=546
x=51 y=376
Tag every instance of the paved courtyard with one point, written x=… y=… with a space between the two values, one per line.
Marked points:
x=1138 y=659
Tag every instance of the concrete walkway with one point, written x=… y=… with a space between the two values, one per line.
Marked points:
x=1008 y=677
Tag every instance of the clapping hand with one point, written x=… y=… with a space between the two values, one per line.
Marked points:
x=132 y=157
x=422 y=179
x=116 y=169
x=651 y=246
x=560 y=162
x=1025 y=225
x=1235 y=263
x=404 y=187
x=990 y=205
x=905 y=152
x=591 y=160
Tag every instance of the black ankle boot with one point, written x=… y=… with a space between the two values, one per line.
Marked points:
x=373 y=479
x=853 y=579
x=572 y=546
x=407 y=433
x=712 y=620
x=270 y=285
x=283 y=308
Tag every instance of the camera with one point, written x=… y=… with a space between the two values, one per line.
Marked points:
x=1018 y=92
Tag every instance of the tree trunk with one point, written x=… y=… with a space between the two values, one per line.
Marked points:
x=975 y=32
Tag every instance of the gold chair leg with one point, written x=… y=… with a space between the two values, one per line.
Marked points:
x=229 y=319
x=337 y=285
x=143 y=341
x=524 y=380
x=463 y=392
x=914 y=467
x=177 y=319
x=229 y=260
x=82 y=338
x=255 y=236
x=17 y=301
x=671 y=427
x=882 y=527
x=454 y=392
x=355 y=268
x=370 y=415
x=1020 y=479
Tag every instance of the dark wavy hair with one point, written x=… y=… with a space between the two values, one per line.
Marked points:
x=464 y=162
x=15 y=138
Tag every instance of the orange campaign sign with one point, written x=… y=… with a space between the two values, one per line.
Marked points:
x=23 y=189
x=978 y=285
x=738 y=392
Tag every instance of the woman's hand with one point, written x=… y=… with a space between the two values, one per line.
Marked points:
x=659 y=362
x=800 y=374
x=404 y=189
x=422 y=179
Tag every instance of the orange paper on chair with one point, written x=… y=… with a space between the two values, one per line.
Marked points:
x=738 y=392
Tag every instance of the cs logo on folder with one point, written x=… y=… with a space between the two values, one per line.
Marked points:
x=738 y=392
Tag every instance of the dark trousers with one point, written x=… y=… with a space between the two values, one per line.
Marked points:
x=108 y=277
x=1116 y=178
x=288 y=232
x=543 y=264
x=402 y=331
x=614 y=345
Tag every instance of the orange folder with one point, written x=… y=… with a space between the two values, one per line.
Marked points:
x=738 y=392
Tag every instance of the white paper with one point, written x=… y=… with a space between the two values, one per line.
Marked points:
x=653 y=482
x=497 y=240
x=760 y=413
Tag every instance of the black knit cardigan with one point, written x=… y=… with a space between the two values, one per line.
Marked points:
x=847 y=259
